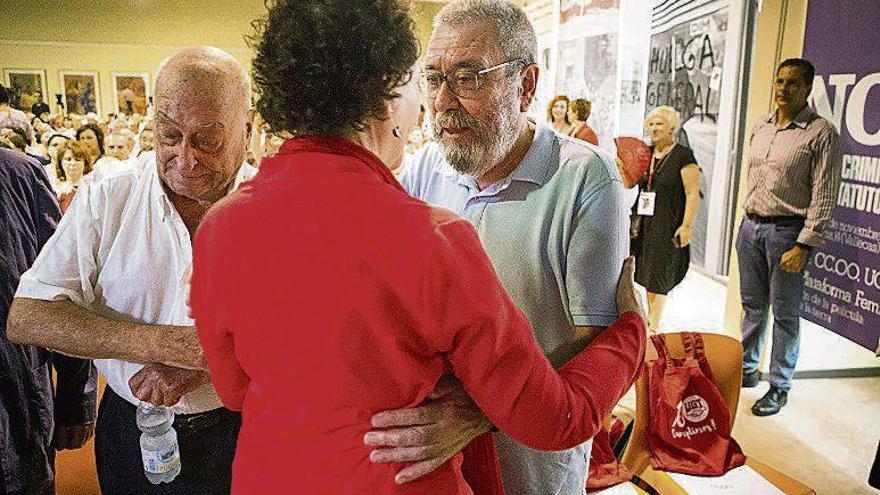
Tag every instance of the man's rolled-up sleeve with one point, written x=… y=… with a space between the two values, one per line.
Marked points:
x=827 y=166
x=67 y=266
x=77 y=379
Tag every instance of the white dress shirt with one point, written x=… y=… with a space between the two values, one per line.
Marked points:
x=123 y=251
x=140 y=162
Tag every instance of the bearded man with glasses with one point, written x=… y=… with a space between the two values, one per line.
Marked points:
x=550 y=214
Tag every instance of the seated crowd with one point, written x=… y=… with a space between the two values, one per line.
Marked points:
x=72 y=147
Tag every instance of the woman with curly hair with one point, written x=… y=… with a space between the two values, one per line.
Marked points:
x=361 y=298
x=557 y=115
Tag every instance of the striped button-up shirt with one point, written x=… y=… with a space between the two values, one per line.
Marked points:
x=795 y=170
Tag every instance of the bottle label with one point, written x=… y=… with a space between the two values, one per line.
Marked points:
x=161 y=461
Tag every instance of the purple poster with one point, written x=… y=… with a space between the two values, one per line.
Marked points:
x=843 y=277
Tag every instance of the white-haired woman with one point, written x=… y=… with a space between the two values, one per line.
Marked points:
x=669 y=195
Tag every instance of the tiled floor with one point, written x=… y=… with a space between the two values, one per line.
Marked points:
x=826 y=436
x=696 y=305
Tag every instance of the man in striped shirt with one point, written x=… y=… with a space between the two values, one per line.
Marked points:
x=793 y=179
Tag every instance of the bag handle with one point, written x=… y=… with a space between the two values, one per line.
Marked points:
x=700 y=347
x=693 y=345
x=700 y=355
x=687 y=341
x=659 y=342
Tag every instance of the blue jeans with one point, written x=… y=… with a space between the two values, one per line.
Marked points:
x=763 y=283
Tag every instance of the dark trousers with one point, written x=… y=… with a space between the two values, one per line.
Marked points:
x=206 y=441
x=759 y=247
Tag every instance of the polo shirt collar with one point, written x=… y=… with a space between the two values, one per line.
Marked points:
x=535 y=167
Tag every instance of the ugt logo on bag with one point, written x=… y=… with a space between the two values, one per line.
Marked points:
x=692 y=409
x=690 y=424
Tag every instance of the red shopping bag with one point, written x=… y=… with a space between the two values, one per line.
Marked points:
x=690 y=423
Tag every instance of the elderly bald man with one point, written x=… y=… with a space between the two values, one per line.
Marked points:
x=112 y=283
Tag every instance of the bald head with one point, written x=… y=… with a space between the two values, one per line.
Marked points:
x=207 y=70
x=203 y=122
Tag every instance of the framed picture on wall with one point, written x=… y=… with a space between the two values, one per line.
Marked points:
x=131 y=90
x=81 y=91
x=26 y=87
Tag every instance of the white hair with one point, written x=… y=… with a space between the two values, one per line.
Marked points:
x=667 y=114
x=516 y=36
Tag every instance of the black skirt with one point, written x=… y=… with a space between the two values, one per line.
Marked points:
x=660 y=266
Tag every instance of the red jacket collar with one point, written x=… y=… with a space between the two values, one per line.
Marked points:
x=340 y=146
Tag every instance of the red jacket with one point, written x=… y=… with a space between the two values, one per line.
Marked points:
x=324 y=294
x=585 y=133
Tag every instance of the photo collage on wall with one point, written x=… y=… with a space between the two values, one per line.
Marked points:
x=26 y=87
x=80 y=91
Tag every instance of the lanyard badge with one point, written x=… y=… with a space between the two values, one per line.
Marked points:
x=646 y=203
x=648 y=198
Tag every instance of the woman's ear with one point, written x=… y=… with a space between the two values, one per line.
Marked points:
x=391 y=107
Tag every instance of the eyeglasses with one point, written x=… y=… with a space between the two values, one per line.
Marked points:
x=463 y=83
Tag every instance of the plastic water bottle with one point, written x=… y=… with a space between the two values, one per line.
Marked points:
x=158 y=443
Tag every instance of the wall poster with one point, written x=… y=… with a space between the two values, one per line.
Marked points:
x=26 y=87
x=80 y=90
x=587 y=63
x=842 y=278
x=684 y=71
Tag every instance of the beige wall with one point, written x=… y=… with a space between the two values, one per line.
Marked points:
x=423 y=14
x=131 y=36
x=118 y=36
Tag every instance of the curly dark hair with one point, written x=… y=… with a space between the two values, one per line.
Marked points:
x=324 y=67
x=98 y=134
